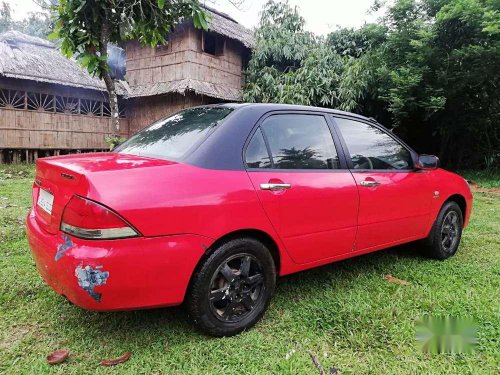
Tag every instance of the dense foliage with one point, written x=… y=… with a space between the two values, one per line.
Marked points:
x=86 y=27
x=36 y=23
x=430 y=69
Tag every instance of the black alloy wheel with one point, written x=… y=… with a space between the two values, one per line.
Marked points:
x=446 y=233
x=237 y=288
x=449 y=231
x=232 y=288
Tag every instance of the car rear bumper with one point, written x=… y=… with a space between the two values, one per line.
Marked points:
x=120 y=274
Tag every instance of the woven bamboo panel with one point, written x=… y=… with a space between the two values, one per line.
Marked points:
x=42 y=130
x=184 y=58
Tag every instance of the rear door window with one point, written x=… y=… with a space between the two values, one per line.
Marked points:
x=256 y=154
x=299 y=141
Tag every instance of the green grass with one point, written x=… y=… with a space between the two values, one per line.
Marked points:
x=345 y=313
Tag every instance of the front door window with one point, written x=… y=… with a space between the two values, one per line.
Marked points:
x=371 y=148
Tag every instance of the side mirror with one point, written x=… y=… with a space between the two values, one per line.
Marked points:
x=427 y=162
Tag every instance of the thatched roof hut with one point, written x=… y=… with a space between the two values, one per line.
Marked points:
x=27 y=57
x=222 y=24
x=195 y=67
x=50 y=104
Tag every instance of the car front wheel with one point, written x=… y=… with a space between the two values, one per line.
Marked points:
x=446 y=233
x=233 y=288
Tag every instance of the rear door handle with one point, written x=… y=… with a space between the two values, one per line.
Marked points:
x=369 y=183
x=275 y=186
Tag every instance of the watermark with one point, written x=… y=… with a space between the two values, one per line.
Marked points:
x=446 y=334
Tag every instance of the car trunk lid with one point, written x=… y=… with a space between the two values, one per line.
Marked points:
x=59 y=178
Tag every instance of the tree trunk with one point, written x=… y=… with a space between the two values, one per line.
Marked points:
x=108 y=80
x=113 y=101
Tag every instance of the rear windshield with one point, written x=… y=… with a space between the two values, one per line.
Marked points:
x=172 y=137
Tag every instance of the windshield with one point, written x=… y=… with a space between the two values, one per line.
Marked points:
x=171 y=137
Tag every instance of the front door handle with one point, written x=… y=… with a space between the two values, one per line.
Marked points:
x=275 y=186
x=369 y=183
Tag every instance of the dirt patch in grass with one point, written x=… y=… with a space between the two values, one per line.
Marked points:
x=14 y=336
x=478 y=189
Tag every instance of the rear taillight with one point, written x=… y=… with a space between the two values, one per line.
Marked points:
x=87 y=219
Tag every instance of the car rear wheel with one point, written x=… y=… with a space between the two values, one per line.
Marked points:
x=446 y=233
x=233 y=288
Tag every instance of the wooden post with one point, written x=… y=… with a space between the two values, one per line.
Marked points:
x=1 y=157
x=35 y=155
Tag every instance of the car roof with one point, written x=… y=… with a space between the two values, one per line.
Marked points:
x=267 y=107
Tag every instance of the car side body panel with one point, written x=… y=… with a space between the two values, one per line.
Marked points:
x=317 y=217
x=396 y=210
x=448 y=185
x=179 y=199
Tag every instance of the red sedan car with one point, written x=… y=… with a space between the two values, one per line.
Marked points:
x=209 y=205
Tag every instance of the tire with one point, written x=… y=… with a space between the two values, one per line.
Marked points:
x=232 y=288
x=446 y=232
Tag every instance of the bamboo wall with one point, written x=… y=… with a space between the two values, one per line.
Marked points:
x=183 y=58
x=37 y=130
x=50 y=119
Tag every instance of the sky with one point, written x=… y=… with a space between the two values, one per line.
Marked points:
x=322 y=16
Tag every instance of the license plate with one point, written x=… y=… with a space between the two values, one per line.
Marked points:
x=45 y=201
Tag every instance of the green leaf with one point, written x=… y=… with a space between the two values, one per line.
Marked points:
x=53 y=36
x=161 y=4
x=84 y=61
x=80 y=7
x=200 y=20
x=196 y=21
